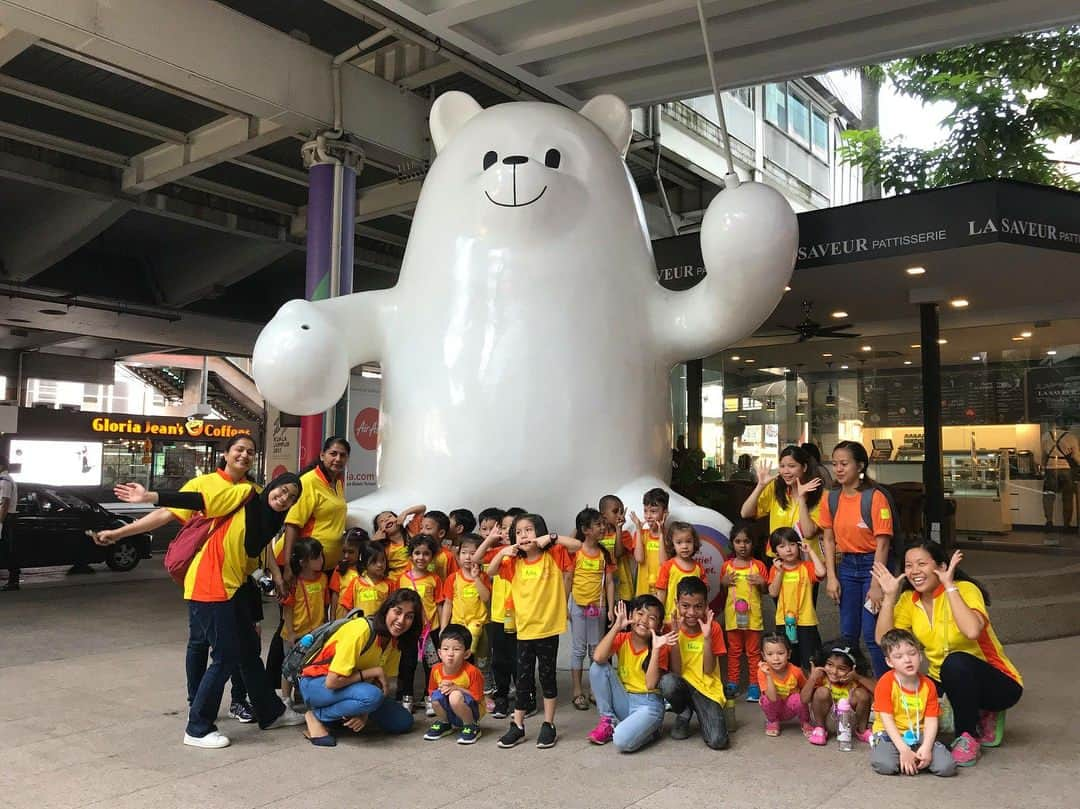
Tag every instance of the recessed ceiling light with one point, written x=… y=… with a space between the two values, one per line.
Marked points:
x=867 y=348
x=976 y=357
x=17 y=320
x=916 y=345
x=915 y=270
x=787 y=289
x=1018 y=339
x=826 y=354
x=907 y=362
x=958 y=303
x=839 y=313
x=844 y=367
x=1051 y=353
x=1025 y=334
x=736 y=357
x=942 y=341
x=53 y=311
x=750 y=360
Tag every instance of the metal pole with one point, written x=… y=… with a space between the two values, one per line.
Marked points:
x=933 y=484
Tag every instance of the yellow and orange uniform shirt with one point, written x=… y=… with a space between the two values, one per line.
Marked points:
x=538 y=593
x=208 y=485
x=222 y=564
x=940 y=636
x=852 y=534
x=444 y=564
x=650 y=568
x=319 y=513
x=397 y=559
x=624 y=573
x=796 y=594
x=788 y=682
x=341 y=654
x=339 y=582
x=470 y=678
x=631 y=663
x=429 y=588
x=365 y=594
x=467 y=606
x=692 y=655
x=786 y=516
x=669 y=576
x=589 y=575
x=502 y=604
x=309 y=601
x=743 y=589
x=909 y=709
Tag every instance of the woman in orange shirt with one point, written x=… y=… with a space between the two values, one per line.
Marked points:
x=861 y=546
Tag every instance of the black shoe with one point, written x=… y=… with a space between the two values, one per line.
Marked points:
x=547 y=736
x=514 y=736
x=501 y=709
x=682 y=728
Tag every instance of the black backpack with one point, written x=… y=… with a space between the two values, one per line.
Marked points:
x=301 y=654
x=895 y=559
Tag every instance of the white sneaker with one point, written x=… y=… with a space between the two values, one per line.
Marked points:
x=429 y=709
x=211 y=741
x=287 y=719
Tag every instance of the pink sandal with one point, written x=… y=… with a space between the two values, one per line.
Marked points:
x=818 y=736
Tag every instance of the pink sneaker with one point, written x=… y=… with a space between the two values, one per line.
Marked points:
x=991 y=728
x=772 y=728
x=818 y=736
x=864 y=736
x=965 y=750
x=603 y=732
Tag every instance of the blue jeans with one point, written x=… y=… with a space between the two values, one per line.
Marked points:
x=855 y=620
x=639 y=716
x=335 y=704
x=229 y=629
x=437 y=697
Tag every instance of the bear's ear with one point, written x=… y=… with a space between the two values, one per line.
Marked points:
x=449 y=113
x=611 y=114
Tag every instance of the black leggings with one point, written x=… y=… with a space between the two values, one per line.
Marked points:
x=503 y=657
x=973 y=685
x=803 y=652
x=530 y=653
x=410 y=656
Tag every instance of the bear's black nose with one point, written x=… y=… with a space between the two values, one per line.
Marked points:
x=515 y=160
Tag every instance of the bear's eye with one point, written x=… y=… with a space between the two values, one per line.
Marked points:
x=552 y=159
x=489 y=160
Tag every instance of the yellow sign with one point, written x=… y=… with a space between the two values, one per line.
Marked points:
x=192 y=428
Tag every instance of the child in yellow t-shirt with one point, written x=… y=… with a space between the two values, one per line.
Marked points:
x=346 y=569
x=681 y=543
x=466 y=594
x=370 y=588
x=835 y=679
x=418 y=577
x=305 y=607
x=502 y=630
x=791 y=583
x=906 y=713
x=743 y=577
x=619 y=544
x=694 y=683
x=592 y=596
x=649 y=549
x=455 y=688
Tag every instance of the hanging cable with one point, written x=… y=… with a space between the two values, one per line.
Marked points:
x=731 y=179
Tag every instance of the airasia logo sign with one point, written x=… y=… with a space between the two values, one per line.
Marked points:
x=366 y=428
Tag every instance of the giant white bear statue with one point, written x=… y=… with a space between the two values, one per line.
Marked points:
x=526 y=347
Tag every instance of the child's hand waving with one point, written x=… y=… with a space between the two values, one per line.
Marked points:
x=622 y=620
x=667 y=639
x=706 y=625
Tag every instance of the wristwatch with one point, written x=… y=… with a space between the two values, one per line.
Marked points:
x=554 y=537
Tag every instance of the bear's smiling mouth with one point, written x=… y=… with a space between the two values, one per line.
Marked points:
x=515 y=204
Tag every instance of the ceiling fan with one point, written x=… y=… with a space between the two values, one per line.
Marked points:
x=809 y=328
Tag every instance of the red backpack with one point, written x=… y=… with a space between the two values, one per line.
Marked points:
x=190 y=539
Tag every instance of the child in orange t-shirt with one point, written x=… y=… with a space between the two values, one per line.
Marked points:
x=346 y=569
x=681 y=542
x=370 y=588
x=418 y=577
x=592 y=596
x=781 y=683
x=743 y=577
x=437 y=524
x=619 y=544
x=455 y=688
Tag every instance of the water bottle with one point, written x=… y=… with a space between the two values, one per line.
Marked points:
x=742 y=613
x=729 y=715
x=306 y=641
x=844 y=722
x=790 y=629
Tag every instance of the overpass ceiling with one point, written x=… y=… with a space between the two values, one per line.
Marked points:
x=198 y=254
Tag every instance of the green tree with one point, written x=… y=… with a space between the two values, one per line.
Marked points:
x=1009 y=99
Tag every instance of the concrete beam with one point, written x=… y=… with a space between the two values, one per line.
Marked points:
x=204 y=49
x=41 y=237
x=240 y=384
x=13 y=42
x=386 y=198
x=212 y=265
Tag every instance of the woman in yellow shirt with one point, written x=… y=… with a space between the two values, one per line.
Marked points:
x=320 y=511
x=791 y=499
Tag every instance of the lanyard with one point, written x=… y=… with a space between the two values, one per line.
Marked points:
x=800 y=590
x=914 y=729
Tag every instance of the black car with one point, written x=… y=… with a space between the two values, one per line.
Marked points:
x=51 y=525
